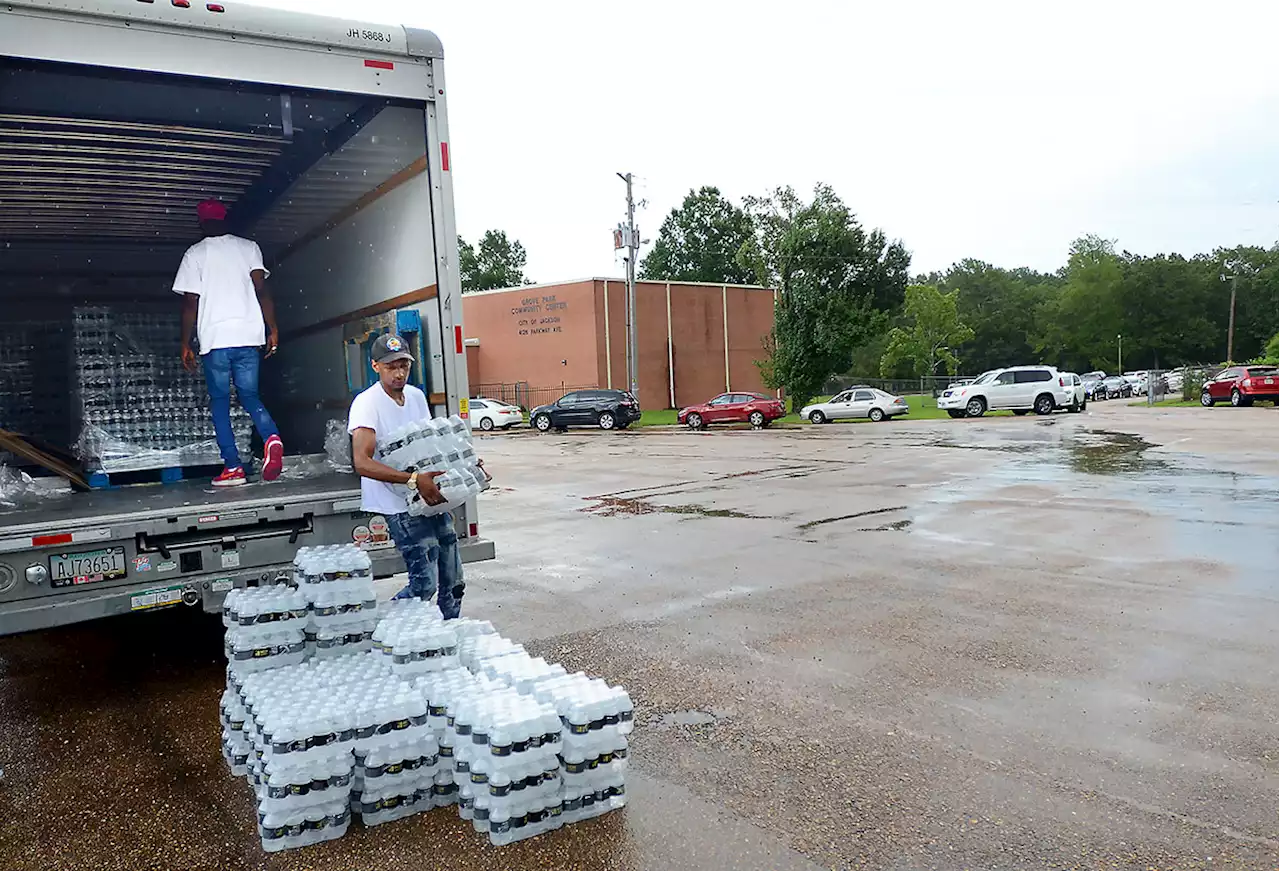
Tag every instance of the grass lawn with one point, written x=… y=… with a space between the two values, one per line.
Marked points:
x=922 y=408
x=1171 y=403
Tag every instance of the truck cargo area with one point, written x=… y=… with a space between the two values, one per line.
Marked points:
x=100 y=173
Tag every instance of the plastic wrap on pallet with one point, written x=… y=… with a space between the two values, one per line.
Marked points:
x=104 y=452
x=137 y=406
x=16 y=487
x=337 y=445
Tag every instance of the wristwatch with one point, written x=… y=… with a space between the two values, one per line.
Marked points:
x=412 y=483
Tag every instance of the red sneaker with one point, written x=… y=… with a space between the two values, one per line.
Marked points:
x=230 y=478
x=273 y=456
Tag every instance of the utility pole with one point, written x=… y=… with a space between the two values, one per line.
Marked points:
x=1119 y=354
x=631 y=240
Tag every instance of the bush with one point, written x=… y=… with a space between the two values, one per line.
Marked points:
x=1192 y=381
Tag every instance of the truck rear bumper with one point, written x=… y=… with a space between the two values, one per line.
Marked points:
x=207 y=591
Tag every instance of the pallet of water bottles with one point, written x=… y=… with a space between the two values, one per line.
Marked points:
x=331 y=725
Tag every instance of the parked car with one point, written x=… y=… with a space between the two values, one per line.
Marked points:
x=1092 y=382
x=1117 y=387
x=1241 y=386
x=607 y=409
x=857 y=402
x=753 y=408
x=1018 y=388
x=1071 y=395
x=489 y=414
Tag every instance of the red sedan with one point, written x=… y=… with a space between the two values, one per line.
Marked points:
x=1241 y=385
x=753 y=408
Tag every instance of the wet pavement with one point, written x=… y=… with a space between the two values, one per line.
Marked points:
x=1002 y=643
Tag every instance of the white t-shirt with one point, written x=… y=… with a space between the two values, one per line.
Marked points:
x=377 y=411
x=217 y=270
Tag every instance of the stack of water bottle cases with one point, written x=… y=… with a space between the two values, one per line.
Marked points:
x=136 y=406
x=338 y=709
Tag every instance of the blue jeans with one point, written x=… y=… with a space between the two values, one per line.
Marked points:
x=222 y=368
x=429 y=545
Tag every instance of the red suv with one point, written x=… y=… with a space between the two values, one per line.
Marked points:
x=1241 y=385
x=753 y=408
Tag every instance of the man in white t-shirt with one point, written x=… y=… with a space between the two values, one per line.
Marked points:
x=223 y=283
x=429 y=544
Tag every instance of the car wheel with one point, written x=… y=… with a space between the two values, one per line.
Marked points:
x=1083 y=406
x=1044 y=404
x=1239 y=400
x=694 y=421
x=542 y=423
x=977 y=407
x=817 y=417
x=1074 y=407
x=486 y=424
x=876 y=415
x=955 y=412
x=607 y=420
x=756 y=419
x=1019 y=412
x=1206 y=399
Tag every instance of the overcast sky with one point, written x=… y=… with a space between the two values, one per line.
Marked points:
x=1000 y=131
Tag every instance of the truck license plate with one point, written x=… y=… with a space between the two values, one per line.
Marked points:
x=68 y=569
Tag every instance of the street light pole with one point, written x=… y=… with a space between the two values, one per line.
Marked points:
x=1119 y=354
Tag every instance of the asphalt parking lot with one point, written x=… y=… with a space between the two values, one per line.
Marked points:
x=997 y=643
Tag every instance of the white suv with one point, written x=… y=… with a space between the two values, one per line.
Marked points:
x=1017 y=388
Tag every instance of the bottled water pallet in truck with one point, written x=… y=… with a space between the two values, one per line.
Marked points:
x=329 y=142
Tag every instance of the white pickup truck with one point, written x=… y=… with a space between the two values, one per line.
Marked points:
x=328 y=140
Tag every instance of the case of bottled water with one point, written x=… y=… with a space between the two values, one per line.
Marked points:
x=436 y=445
x=418 y=713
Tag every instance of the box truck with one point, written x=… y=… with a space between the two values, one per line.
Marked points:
x=328 y=140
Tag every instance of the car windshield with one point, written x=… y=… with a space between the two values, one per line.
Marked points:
x=986 y=376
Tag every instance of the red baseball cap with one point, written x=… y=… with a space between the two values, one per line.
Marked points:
x=211 y=210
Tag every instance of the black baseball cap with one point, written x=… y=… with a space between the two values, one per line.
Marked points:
x=389 y=347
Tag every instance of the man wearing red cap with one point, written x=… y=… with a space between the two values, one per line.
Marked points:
x=223 y=283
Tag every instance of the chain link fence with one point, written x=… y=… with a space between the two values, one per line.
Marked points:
x=519 y=393
x=924 y=385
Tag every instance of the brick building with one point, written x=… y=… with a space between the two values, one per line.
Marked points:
x=695 y=340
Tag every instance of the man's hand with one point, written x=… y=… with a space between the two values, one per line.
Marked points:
x=188 y=357
x=273 y=342
x=427 y=488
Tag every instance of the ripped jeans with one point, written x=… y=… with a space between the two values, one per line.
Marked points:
x=429 y=545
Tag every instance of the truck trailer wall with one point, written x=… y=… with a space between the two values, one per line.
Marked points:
x=372 y=256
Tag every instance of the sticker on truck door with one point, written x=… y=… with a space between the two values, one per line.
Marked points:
x=379 y=534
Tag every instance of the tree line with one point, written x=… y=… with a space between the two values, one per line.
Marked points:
x=849 y=304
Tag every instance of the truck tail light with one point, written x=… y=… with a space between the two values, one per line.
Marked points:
x=473 y=530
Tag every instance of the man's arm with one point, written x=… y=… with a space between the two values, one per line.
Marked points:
x=363 y=443
x=190 y=308
x=268 y=306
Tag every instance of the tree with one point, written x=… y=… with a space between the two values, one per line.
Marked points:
x=836 y=285
x=934 y=333
x=494 y=262
x=1001 y=307
x=1077 y=329
x=1270 y=355
x=699 y=241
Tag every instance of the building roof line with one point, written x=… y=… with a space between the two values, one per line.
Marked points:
x=615 y=280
